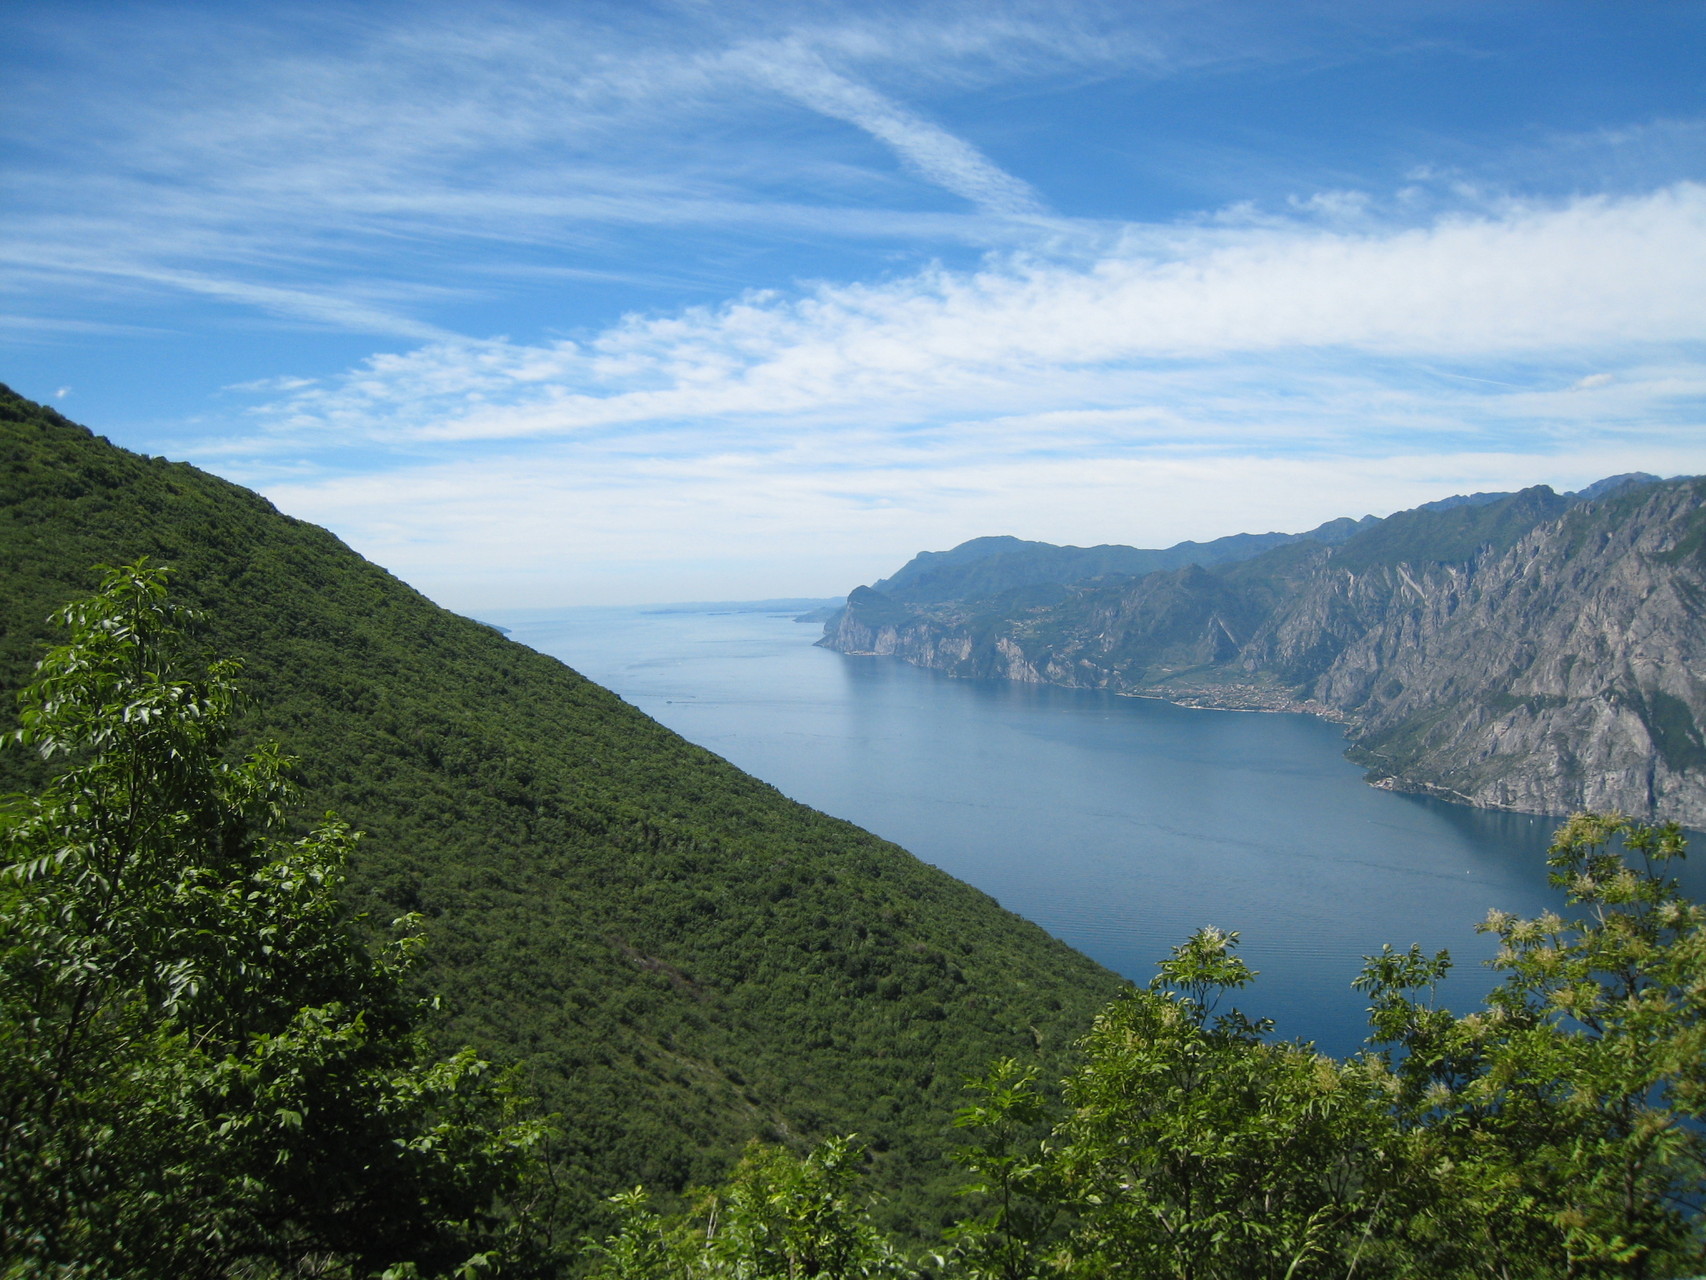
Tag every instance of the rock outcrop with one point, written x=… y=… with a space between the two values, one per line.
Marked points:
x=1533 y=651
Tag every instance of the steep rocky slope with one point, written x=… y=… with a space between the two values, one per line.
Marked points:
x=1569 y=672
x=1535 y=651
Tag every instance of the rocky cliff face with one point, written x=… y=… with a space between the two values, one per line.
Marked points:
x=1567 y=673
x=1533 y=653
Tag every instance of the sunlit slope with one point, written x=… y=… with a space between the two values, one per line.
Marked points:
x=681 y=956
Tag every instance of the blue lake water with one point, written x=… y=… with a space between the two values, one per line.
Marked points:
x=1118 y=824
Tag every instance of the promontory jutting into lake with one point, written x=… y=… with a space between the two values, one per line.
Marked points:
x=1448 y=641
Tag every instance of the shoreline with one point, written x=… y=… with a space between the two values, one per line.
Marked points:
x=1242 y=698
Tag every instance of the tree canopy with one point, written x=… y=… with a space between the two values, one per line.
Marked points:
x=674 y=954
x=203 y=1069
x=1556 y=1132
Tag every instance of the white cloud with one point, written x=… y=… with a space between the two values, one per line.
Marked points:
x=929 y=149
x=1033 y=335
x=38 y=328
x=549 y=528
x=333 y=307
x=1089 y=380
x=1185 y=381
x=1339 y=206
x=271 y=386
x=267 y=171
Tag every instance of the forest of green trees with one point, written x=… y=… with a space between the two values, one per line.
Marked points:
x=208 y=1068
x=662 y=947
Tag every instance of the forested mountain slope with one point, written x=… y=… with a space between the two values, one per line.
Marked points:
x=681 y=957
x=1535 y=651
x=985 y=566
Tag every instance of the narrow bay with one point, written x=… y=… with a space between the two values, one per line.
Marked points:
x=1118 y=824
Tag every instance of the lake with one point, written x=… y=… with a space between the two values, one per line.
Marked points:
x=1118 y=824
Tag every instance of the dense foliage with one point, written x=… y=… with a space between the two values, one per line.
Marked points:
x=680 y=958
x=1557 y=1132
x=202 y=1070
x=987 y=567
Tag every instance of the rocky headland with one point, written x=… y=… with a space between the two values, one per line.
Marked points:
x=1534 y=651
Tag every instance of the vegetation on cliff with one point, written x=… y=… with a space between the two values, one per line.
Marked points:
x=677 y=957
x=203 y=1071
x=990 y=566
x=208 y=1072
x=1556 y=1132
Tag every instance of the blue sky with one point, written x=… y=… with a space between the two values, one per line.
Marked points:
x=614 y=303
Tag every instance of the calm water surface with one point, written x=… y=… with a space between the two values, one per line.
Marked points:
x=1118 y=824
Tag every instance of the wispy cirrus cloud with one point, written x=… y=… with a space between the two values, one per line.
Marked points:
x=438 y=156
x=288 y=159
x=925 y=147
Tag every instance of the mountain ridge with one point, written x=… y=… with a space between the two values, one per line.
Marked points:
x=990 y=564
x=963 y=571
x=1370 y=633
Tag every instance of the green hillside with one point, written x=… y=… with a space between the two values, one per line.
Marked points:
x=986 y=567
x=1451 y=535
x=681 y=957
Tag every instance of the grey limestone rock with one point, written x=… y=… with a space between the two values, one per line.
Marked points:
x=1528 y=651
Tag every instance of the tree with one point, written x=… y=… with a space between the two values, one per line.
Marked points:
x=1193 y=1147
x=202 y=1069
x=778 y=1217
x=1560 y=1131
x=1564 y=1122
x=1017 y=1181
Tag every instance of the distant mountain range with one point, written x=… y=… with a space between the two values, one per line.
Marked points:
x=985 y=566
x=1533 y=650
